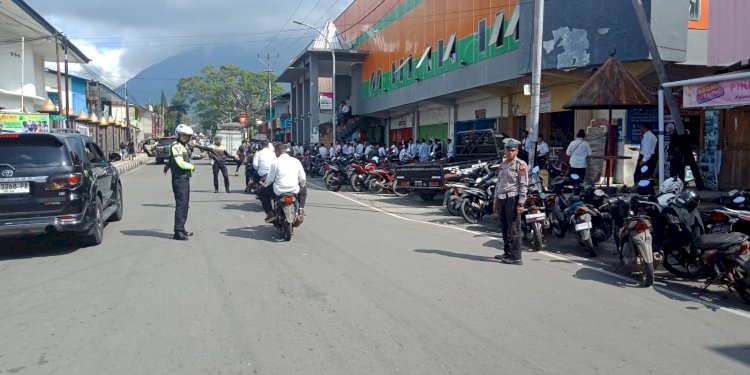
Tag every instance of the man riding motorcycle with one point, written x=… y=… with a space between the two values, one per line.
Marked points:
x=262 y=161
x=286 y=175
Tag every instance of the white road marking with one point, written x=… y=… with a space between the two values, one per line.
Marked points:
x=664 y=290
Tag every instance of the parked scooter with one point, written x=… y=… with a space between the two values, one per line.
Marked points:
x=534 y=216
x=727 y=259
x=477 y=201
x=633 y=238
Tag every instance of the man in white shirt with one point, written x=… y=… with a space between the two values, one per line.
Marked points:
x=579 y=150
x=286 y=176
x=424 y=151
x=381 y=151
x=542 y=152
x=263 y=160
x=648 y=154
x=323 y=151
x=526 y=141
x=360 y=148
x=368 y=148
x=332 y=151
x=412 y=148
x=451 y=150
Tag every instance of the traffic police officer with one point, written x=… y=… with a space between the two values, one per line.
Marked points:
x=219 y=158
x=510 y=196
x=182 y=170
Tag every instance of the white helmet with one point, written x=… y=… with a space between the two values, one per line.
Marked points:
x=183 y=129
x=671 y=185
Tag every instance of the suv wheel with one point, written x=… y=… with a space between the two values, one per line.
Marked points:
x=95 y=235
x=117 y=216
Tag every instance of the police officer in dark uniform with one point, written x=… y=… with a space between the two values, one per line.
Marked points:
x=510 y=197
x=219 y=155
x=182 y=171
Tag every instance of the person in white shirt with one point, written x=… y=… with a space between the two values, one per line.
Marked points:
x=526 y=141
x=338 y=148
x=323 y=151
x=262 y=161
x=360 y=148
x=424 y=151
x=404 y=154
x=345 y=149
x=413 y=150
x=648 y=154
x=542 y=152
x=368 y=148
x=332 y=151
x=579 y=150
x=381 y=151
x=286 y=176
x=451 y=150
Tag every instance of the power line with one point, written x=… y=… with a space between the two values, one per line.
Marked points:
x=285 y=24
x=193 y=35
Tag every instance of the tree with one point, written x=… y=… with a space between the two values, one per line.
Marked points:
x=218 y=96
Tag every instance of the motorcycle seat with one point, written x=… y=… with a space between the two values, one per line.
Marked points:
x=719 y=240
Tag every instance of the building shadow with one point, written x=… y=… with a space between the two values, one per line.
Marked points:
x=589 y=274
x=450 y=254
x=39 y=246
x=147 y=233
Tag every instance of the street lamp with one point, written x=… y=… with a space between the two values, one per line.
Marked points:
x=333 y=76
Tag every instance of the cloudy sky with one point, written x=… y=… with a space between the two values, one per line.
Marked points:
x=123 y=38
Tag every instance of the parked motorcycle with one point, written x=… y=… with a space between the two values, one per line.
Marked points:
x=477 y=201
x=534 y=216
x=727 y=259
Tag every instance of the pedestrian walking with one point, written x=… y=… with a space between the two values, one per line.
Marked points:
x=123 y=150
x=510 y=196
x=182 y=171
x=579 y=151
x=131 y=149
x=679 y=147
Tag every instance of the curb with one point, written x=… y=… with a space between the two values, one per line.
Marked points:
x=125 y=166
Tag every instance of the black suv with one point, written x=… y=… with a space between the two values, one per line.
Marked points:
x=161 y=149
x=56 y=183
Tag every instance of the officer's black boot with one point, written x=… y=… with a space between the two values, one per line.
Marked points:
x=189 y=234
x=180 y=236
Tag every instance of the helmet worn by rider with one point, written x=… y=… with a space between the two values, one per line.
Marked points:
x=183 y=129
x=688 y=200
x=671 y=185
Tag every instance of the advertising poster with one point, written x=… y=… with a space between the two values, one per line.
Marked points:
x=326 y=101
x=710 y=156
x=23 y=123
x=717 y=94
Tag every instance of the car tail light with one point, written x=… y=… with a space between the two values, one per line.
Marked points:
x=744 y=247
x=641 y=226
x=9 y=136
x=434 y=183
x=66 y=218
x=288 y=200
x=718 y=217
x=580 y=211
x=68 y=181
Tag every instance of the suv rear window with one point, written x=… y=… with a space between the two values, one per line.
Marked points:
x=33 y=152
x=165 y=142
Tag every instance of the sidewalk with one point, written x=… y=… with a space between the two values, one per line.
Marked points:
x=123 y=166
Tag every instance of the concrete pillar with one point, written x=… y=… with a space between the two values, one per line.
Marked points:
x=306 y=128
x=314 y=102
x=356 y=85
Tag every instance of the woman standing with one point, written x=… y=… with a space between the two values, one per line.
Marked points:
x=579 y=150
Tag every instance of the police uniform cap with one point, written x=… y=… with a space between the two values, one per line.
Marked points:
x=511 y=143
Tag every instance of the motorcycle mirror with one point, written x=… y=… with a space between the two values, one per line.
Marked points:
x=732 y=193
x=535 y=169
x=479 y=180
x=599 y=193
x=644 y=183
x=644 y=169
x=739 y=200
x=575 y=176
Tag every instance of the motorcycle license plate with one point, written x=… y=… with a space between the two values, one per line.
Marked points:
x=530 y=218
x=582 y=226
x=721 y=228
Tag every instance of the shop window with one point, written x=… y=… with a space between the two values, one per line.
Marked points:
x=450 y=50
x=441 y=52
x=401 y=70
x=513 y=29
x=426 y=59
x=482 y=35
x=497 y=38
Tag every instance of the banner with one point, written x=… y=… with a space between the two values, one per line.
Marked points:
x=545 y=100
x=727 y=93
x=23 y=123
x=326 y=101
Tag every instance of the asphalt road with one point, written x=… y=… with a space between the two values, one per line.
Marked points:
x=360 y=289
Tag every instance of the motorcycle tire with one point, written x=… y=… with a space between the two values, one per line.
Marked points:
x=398 y=190
x=676 y=262
x=537 y=229
x=287 y=231
x=375 y=187
x=647 y=275
x=589 y=245
x=453 y=204
x=739 y=285
x=332 y=184
x=470 y=215
x=556 y=226
x=356 y=184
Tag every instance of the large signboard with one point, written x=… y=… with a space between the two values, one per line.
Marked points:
x=727 y=93
x=326 y=101
x=23 y=123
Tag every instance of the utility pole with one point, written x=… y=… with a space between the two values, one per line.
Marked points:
x=536 y=77
x=23 y=62
x=648 y=35
x=60 y=108
x=67 y=85
x=267 y=63
x=127 y=113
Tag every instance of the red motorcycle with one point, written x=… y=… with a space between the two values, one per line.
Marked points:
x=384 y=179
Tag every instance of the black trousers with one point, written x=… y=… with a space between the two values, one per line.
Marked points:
x=651 y=163
x=181 y=190
x=223 y=168
x=239 y=164
x=510 y=224
x=677 y=169
x=580 y=172
x=266 y=194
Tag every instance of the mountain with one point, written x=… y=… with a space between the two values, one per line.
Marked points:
x=147 y=85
